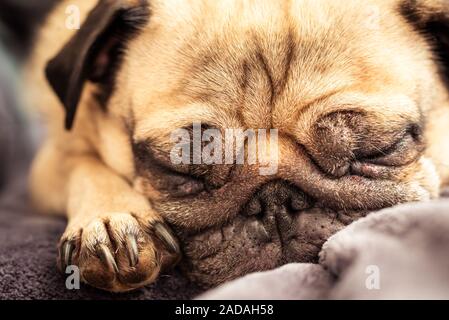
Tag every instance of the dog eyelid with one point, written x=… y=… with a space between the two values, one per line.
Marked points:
x=147 y=154
x=402 y=152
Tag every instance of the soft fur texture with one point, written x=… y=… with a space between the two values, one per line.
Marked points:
x=360 y=101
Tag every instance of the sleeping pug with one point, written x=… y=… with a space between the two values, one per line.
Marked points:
x=356 y=90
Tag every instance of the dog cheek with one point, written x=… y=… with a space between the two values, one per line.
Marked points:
x=427 y=177
x=421 y=176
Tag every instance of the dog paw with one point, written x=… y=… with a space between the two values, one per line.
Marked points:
x=118 y=252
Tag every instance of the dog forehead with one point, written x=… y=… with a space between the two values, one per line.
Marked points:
x=218 y=52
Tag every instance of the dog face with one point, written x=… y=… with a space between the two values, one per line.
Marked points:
x=351 y=86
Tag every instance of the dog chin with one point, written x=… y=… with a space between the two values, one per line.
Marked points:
x=250 y=244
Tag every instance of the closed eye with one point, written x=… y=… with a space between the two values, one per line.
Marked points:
x=175 y=180
x=148 y=155
x=402 y=152
x=183 y=185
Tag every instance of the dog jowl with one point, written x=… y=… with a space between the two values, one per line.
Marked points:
x=359 y=105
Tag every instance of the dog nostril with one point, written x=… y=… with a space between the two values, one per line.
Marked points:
x=254 y=207
x=275 y=195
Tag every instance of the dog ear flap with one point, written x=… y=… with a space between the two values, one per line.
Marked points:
x=431 y=17
x=92 y=53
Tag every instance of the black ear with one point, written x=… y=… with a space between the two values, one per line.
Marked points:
x=93 y=53
x=431 y=18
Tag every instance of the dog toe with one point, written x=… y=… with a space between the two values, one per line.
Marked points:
x=119 y=252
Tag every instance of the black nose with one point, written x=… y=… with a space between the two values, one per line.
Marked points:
x=276 y=204
x=277 y=195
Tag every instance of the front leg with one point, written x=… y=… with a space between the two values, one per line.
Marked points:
x=113 y=235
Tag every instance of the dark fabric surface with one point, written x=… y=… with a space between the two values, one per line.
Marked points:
x=28 y=259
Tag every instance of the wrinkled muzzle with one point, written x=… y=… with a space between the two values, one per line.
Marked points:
x=257 y=222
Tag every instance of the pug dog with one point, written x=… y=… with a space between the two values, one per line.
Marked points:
x=357 y=91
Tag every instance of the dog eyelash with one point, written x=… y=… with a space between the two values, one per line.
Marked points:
x=402 y=152
x=181 y=186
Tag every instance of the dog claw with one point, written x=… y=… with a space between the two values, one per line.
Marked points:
x=66 y=254
x=107 y=258
x=133 y=251
x=165 y=235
